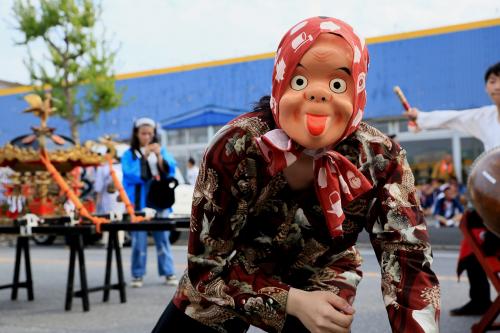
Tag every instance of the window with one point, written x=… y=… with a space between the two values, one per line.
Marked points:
x=217 y=128
x=471 y=149
x=182 y=154
x=175 y=137
x=197 y=134
x=422 y=155
x=403 y=125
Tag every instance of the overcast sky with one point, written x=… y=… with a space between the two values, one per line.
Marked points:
x=164 y=33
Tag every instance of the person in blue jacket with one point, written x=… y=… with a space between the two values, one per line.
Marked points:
x=144 y=161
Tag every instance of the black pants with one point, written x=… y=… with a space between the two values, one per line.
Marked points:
x=479 y=286
x=174 y=320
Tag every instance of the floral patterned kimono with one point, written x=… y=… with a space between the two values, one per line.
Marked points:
x=252 y=237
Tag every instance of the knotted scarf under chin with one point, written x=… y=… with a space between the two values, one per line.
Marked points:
x=337 y=180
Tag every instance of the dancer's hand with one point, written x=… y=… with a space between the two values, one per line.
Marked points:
x=320 y=311
x=412 y=114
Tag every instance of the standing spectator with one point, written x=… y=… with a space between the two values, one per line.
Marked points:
x=192 y=171
x=5 y=174
x=444 y=169
x=143 y=162
x=107 y=196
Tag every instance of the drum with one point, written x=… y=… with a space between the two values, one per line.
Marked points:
x=484 y=188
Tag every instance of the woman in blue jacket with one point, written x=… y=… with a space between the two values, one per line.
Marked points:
x=144 y=161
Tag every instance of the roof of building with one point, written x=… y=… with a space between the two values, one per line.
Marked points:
x=9 y=84
x=438 y=68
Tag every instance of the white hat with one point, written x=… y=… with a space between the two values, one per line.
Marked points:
x=144 y=121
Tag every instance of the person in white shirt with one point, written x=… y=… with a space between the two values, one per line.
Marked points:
x=484 y=124
x=107 y=194
x=192 y=171
x=5 y=173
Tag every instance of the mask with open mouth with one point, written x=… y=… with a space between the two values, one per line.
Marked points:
x=318 y=97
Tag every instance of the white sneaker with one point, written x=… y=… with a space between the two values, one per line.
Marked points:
x=136 y=283
x=171 y=280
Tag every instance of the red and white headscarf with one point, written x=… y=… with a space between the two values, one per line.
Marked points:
x=337 y=180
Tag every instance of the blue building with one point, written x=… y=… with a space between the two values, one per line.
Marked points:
x=438 y=68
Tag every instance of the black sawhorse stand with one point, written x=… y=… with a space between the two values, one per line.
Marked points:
x=74 y=235
x=163 y=224
x=77 y=250
x=76 y=246
x=114 y=244
x=22 y=246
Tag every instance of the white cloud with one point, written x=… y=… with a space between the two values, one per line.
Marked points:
x=162 y=33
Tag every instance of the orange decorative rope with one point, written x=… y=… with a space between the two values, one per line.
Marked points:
x=123 y=194
x=69 y=192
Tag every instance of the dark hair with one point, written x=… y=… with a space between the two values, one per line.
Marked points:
x=191 y=160
x=134 y=140
x=494 y=69
x=263 y=104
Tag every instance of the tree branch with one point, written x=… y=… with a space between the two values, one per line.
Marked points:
x=53 y=45
x=85 y=121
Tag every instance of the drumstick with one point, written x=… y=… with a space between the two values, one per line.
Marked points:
x=406 y=105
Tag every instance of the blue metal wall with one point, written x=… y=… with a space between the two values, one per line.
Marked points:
x=436 y=72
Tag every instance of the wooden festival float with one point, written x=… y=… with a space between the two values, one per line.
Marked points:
x=43 y=197
x=46 y=174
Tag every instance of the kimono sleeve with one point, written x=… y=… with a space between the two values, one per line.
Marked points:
x=399 y=236
x=219 y=214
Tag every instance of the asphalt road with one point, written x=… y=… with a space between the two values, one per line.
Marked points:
x=144 y=306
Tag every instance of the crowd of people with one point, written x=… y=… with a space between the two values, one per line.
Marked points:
x=443 y=202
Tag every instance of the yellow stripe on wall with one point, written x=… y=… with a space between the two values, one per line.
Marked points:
x=207 y=64
x=435 y=31
x=16 y=90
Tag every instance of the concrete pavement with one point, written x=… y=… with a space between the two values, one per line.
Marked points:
x=46 y=313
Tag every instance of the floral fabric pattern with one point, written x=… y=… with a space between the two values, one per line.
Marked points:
x=252 y=237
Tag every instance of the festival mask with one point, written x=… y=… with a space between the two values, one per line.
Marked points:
x=318 y=93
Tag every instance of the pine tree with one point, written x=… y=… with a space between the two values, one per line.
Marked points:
x=77 y=67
